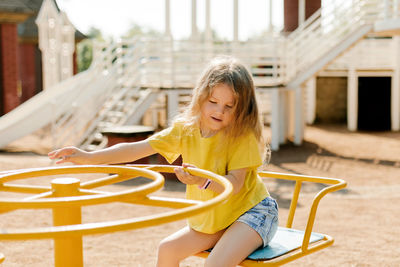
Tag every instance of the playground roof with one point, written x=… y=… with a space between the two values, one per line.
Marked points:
x=15 y=6
x=28 y=28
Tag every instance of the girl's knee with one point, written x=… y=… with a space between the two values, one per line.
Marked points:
x=165 y=247
x=213 y=262
x=217 y=261
x=209 y=263
x=168 y=251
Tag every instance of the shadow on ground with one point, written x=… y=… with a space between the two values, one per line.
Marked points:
x=290 y=153
x=171 y=184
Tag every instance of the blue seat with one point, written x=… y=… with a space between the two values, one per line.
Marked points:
x=284 y=241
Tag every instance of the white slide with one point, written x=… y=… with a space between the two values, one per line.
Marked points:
x=48 y=105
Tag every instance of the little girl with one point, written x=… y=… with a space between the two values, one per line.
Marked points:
x=219 y=131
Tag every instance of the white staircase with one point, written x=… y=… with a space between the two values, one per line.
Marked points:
x=126 y=107
x=125 y=102
x=328 y=33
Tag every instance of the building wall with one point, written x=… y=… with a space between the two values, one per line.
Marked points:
x=27 y=70
x=291 y=15
x=291 y=12
x=9 y=70
x=38 y=69
x=331 y=106
x=312 y=6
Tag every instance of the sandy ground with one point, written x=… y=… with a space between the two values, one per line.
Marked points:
x=364 y=219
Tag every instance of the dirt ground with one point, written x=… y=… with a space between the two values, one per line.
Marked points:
x=364 y=219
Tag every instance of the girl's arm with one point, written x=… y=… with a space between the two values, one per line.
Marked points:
x=119 y=153
x=236 y=177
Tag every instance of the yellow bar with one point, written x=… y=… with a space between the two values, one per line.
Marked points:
x=293 y=204
x=26 y=189
x=167 y=202
x=112 y=179
x=38 y=196
x=340 y=184
x=93 y=199
x=85 y=192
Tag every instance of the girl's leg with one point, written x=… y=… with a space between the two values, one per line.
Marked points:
x=182 y=244
x=238 y=241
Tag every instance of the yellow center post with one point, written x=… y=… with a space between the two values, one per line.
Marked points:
x=68 y=251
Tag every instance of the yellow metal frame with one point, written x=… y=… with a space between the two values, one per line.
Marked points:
x=67 y=195
x=306 y=248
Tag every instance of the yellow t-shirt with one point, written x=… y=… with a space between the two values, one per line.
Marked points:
x=206 y=153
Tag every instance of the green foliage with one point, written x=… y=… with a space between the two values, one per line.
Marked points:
x=85 y=49
x=214 y=35
x=135 y=30
x=95 y=33
x=84 y=54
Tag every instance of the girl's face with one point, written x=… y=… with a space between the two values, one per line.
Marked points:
x=217 y=111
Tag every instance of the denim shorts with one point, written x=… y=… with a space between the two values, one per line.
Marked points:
x=263 y=218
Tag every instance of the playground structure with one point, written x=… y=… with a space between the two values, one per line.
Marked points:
x=131 y=78
x=66 y=196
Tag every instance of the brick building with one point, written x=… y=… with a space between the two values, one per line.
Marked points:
x=20 y=57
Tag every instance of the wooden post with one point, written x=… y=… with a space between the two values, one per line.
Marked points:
x=9 y=71
x=167 y=18
x=395 y=93
x=352 y=99
x=283 y=116
x=299 y=116
x=235 y=21
x=311 y=92
x=275 y=133
x=194 y=34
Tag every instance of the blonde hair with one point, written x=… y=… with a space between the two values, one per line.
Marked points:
x=227 y=70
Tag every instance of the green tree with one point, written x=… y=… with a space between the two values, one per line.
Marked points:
x=85 y=49
x=136 y=29
x=95 y=33
x=84 y=54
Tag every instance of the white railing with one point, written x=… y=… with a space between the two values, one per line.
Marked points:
x=115 y=107
x=324 y=30
x=96 y=86
x=127 y=66
x=176 y=64
x=273 y=61
x=164 y=63
x=390 y=9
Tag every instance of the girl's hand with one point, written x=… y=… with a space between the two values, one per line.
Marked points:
x=187 y=178
x=70 y=154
